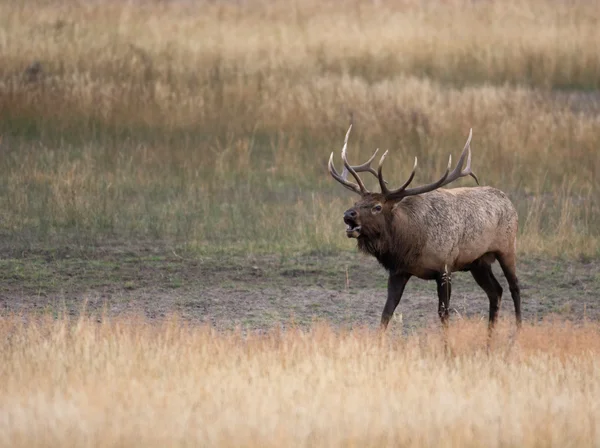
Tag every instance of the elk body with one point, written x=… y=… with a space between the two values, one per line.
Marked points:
x=429 y=232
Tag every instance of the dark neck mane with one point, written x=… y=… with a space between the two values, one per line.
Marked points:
x=394 y=250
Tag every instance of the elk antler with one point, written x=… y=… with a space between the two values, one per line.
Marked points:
x=448 y=176
x=365 y=167
x=354 y=170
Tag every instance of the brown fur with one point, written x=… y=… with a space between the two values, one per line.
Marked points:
x=433 y=234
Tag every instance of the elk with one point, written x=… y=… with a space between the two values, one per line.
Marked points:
x=429 y=232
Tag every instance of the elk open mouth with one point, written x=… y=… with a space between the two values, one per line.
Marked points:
x=353 y=232
x=352 y=229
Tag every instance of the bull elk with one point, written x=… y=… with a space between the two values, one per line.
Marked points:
x=429 y=232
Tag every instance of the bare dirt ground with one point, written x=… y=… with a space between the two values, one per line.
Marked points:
x=258 y=292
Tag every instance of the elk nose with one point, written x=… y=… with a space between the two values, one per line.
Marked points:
x=350 y=215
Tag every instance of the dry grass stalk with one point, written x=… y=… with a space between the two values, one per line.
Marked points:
x=134 y=383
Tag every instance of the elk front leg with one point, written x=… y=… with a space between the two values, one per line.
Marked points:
x=444 y=289
x=396 y=284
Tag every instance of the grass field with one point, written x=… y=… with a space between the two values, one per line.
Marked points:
x=210 y=124
x=170 y=157
x=130 y=383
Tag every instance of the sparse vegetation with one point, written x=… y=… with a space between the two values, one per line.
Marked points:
x=210 y=123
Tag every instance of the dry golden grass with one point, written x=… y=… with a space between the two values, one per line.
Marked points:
x=128 y=382
x=210 y=123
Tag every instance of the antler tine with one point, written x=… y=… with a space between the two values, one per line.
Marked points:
x=448 y=176
x=428 y=187
x=382 y=182
x=411 y=177
x=467 y=169
x=382 y=185
x=363 y=190
x=459 y=171
x=365 y=167
x=349 y=185
x=470 y=173
x=466 y=153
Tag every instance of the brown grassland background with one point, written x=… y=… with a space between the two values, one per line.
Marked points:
x=210 y=123
x=130 y=383
x=204 y=127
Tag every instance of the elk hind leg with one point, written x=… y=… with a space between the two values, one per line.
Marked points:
x=509 y=267
x=483 y=275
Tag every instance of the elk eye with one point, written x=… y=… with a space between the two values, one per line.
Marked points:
x=376 y=208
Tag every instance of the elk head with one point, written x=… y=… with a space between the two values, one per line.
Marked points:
x=368 y=217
